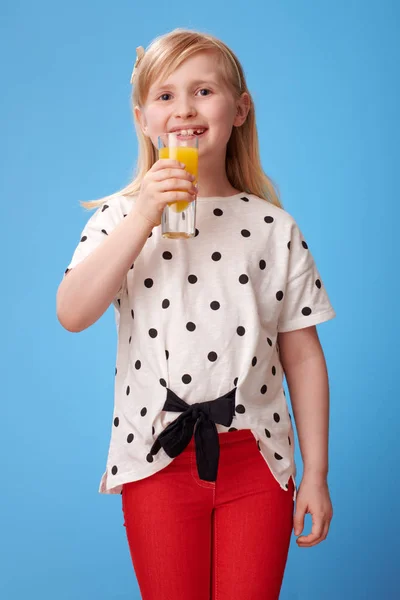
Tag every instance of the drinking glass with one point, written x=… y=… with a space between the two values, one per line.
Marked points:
x=179 y=217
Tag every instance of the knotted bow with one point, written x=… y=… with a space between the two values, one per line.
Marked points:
x=140 y=52
x=178 y=434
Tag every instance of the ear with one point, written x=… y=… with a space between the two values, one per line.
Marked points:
x=141 y=119
x=242 y=109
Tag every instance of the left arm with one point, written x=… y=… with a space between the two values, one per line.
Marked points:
x=304 y=365
x=305 y=369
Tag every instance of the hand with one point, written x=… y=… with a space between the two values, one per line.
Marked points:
x=159 y=187
x=312 y=497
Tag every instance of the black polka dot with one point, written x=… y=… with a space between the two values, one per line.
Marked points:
x=273 y=371
x=269 y=341
x=129 y=439
x=286 y=486
x=197 y=233
x=306 y=311
x=243 y=279
x=186 y=378
x=288 y=245
x=143 y=412
x=240 y=409
x=132 y=265
x=276 y=418
x=116 y=370
x=245 y=199
x=116 y=421
x=232 y=429
x=216 y=256
x=104 y=231
x=254 y=361
x=167 y=354
x=119 y=301
x=290 y=443
x=165 y=303
x=128 y=390
x=262 y=264
x=153 y=430
x=192 y=279
x=148 y=283
x=303 y=243
x=267 y=433
x=114 y=470
x=138 y=364
x=132 y=314
x=190 y=326
x=245 y=233
x=240 y=330
x=212 y=356
x=167 y=255
x=153 y=333
x=318 y=283
x=264 y=389
x=278 y=456
x=215 y=305
x=84 y=238
x=104 y=207
x=258 y=444
x=269 y=219
x=235 y=381
x=149 y=458
x=150 y=234
x=218 y=212
x=163 y=382
x=130 y=339
x=279 y=295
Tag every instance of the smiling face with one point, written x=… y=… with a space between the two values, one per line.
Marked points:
x=196 y=100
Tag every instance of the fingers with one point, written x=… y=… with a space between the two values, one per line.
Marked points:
x=319 y=532
x=172 y=173
x=165 y=163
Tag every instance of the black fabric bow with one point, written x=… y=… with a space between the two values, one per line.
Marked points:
x=178 y=434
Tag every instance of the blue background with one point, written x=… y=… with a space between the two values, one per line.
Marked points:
x=324 y=76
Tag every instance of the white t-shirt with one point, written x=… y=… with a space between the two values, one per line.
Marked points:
x=201 y=317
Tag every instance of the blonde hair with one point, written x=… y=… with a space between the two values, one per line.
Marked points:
x=165 y=54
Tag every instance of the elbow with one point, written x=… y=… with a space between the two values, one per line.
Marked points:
x=65 y=317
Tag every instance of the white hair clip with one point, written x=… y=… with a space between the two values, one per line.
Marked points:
x=140 y=52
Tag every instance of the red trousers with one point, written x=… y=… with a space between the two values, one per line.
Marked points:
x=197 y=540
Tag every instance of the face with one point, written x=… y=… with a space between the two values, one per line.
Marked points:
x=194 y=97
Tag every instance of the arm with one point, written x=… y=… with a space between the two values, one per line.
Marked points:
x=89 y=288
x=304 y=365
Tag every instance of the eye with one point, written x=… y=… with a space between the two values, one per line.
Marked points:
x=204 y=92
x=164 y=97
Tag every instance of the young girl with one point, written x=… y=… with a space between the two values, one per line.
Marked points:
x=202 y=444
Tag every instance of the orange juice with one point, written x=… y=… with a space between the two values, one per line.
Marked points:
x=190 y=158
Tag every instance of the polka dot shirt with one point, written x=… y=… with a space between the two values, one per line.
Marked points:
x=201 y=317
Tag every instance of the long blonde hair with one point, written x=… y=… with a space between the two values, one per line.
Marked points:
x=165 y=54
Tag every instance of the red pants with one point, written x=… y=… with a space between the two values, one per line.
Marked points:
x=197 y=540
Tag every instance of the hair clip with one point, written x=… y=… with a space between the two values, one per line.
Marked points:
x=140 y=52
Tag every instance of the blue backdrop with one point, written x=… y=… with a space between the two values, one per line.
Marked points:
x=325 y=81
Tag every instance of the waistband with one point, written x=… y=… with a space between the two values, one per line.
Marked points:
x=227 y=437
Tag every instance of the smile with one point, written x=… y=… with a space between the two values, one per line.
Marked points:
x=187 y=133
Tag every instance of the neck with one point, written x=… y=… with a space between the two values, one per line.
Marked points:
x=212 y=179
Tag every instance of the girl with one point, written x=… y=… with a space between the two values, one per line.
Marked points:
x=202 y=444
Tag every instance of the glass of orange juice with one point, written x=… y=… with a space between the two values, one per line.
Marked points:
x=179 y=218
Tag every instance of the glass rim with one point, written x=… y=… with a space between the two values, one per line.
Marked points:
x=171 y=139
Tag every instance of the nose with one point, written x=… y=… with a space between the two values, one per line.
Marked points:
x=185 y=108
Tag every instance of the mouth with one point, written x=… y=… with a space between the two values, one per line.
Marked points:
x=189 y=133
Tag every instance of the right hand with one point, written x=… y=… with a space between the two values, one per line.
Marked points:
x=158 y=188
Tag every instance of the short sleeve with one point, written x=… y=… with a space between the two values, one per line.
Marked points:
x=95 y=232
x=305 y=299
